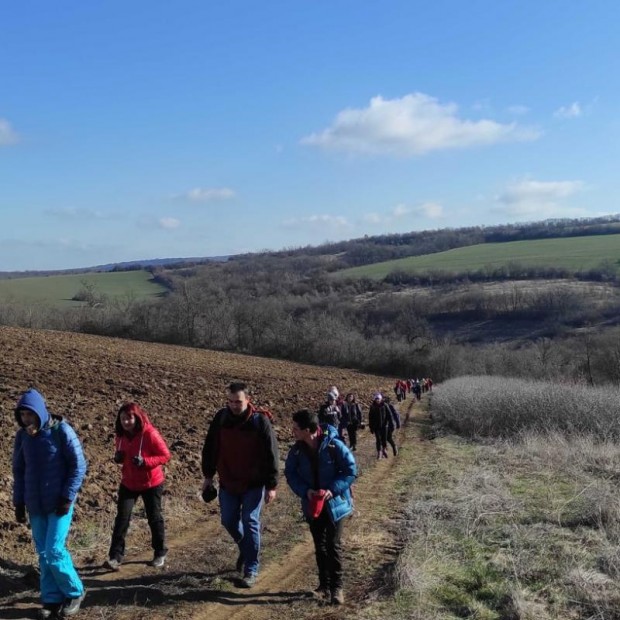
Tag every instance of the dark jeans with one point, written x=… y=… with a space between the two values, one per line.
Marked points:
x=327 y=538
x=124 y=507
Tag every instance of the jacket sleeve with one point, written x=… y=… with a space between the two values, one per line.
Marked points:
x=271 y=453
x=298 y=484
x=347 y=470
x=19 y=470
x=158 y=453
x=211 y=446
x=76 y=463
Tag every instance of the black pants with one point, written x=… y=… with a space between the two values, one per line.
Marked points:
x=390 y=440
x=381 y=438
x=327 y=538
x=352 y=432
x=152 y=506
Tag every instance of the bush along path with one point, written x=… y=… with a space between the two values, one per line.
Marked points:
x=199 y=581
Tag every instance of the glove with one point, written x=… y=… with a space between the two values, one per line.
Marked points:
x=64 y=505
x=138 y=460
x=20 y=513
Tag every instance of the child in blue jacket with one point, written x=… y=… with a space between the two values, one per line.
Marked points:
x=48 y=470
x=320 y=469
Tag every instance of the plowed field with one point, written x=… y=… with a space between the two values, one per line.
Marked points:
x=85 y=379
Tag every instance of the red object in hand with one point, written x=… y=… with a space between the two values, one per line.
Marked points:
x=317 y=502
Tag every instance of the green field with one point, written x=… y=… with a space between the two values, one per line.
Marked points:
x=574 y=253
x=58 y=290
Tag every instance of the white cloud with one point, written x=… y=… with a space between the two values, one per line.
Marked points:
x=518 y=110
x=168 y=223
x=540 y=198
x=71 y=213
x=7 y=134
x=317 y=221
x=572 y=111
x=413 y=125
x=430 y=210
x=207 y=194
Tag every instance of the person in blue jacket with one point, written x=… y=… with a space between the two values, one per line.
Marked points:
x=320 y=469
x=48 y=470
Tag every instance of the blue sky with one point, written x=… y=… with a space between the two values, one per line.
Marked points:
x=132 y=130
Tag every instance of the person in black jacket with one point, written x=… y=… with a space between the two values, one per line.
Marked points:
x=242 y=448
x=379 y=421
x=395 y=424
x=351 y=419
x=329 y=411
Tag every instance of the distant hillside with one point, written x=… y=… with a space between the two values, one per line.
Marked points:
x=133 y=265
x=574 y=254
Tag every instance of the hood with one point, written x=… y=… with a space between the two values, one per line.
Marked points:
x=33 y=401
x=142 y=418
x=328 y=432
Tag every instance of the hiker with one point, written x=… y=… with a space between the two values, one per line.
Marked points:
x=48 y=470
x=417 y=389
x=330 y=412
x=320 y=469
x=242 y=448
x=379 y=421
x=351 y=419
x=141 y=451
x=393 y=424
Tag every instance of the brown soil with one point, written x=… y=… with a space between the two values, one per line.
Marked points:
x=85 y=378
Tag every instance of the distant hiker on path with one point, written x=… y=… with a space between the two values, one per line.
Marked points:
x=141 y=451
x=243 y=449
x=320 y=469
x=48 y=470
x=330 y=412
x=351 y=419
x=394 y=425
x=380 y=421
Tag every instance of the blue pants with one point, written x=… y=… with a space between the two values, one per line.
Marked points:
x=240 y=515
x=59 y=579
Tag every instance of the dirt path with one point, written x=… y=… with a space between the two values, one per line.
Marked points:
x=198 y=582
x=284 y=585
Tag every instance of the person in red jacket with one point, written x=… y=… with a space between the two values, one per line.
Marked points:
x=141 y=451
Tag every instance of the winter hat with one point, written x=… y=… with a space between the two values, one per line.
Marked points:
x=316 y=504
x=377 y=396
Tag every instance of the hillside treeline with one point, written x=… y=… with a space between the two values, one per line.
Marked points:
x=290 y=308
x=379 y=248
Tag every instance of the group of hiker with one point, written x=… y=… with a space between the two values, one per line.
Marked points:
x=417 y=387
x=240 y=448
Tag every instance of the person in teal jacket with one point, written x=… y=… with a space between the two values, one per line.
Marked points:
x=320 y=469
x=48 y=470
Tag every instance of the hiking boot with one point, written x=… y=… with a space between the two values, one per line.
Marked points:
x=239 y=564
x=249 y=581
x=337 y=597
x=158 y=561
x=322 y=593
x=112 y=564
x=49 y=610
x=72 y=605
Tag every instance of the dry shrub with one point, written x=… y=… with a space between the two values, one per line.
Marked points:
x=502 y=407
